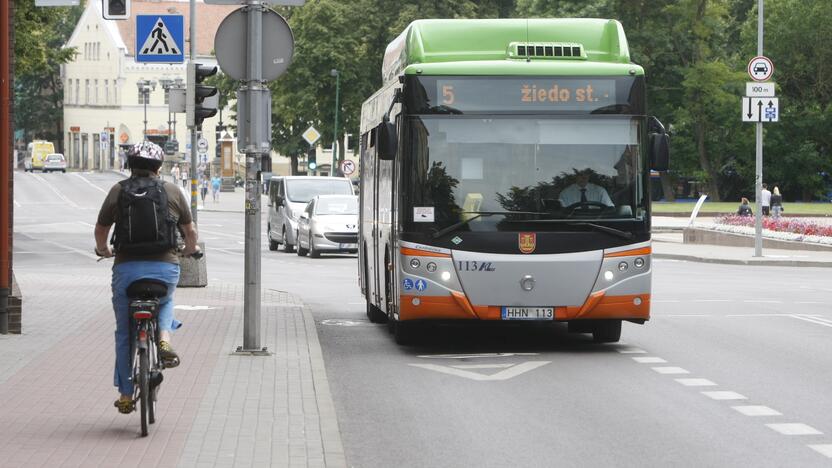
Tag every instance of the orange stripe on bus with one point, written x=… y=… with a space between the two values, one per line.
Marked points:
x=432 y=307
x=628 y=253
x=611 y=307
x=422 y=253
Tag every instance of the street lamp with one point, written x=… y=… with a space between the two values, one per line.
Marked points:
x=167 y=84
x=337 y=76
x=145 y=87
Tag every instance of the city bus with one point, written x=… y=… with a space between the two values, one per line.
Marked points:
x=505 y=176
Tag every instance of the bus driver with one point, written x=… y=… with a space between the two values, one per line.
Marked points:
x=583 y=192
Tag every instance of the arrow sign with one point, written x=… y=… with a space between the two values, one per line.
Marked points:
x=760 y=109
x=466 y=370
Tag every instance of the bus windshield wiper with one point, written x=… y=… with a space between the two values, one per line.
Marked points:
x=607 y=229
x=477 y=215
x=443 y=109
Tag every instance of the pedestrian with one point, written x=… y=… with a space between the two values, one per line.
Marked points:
x=215 y=188
x=744 y=209
x=185 y=177
x=776 y=203
x=174 y=173
x=144 y=246
x=203 y=187
x=765 y=200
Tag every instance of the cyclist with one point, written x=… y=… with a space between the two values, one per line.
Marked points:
x=144 y=160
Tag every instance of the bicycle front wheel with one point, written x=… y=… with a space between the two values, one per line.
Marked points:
x=144 y=391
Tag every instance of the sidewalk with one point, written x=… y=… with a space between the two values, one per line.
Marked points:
x=667 y=243
x=216 y=409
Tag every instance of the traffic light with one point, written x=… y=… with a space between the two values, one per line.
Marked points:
x=115 y=9
x=311 y=164
x=202 y=100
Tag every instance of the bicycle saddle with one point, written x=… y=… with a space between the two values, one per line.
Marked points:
x=147 y=288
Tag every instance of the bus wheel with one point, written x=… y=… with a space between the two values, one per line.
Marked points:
x=287 y=247
x=607 y=331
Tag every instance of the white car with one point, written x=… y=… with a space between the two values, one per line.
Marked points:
x=54 y=162
x=328 y=224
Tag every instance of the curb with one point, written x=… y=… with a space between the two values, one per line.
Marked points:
x=730 y=261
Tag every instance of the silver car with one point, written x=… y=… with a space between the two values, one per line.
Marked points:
x=54 y=162
x=328 y=224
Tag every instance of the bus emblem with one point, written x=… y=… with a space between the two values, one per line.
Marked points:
x=527 y=241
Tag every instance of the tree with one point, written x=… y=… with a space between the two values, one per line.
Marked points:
x=39 y=53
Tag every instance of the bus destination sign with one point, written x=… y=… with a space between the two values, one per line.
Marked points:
x=532 y=94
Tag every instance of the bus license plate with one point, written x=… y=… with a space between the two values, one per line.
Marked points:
x=528 y=313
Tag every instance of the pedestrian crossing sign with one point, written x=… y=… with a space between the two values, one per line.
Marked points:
x=160 y=38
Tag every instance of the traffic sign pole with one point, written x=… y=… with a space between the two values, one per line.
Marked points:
x=758 y=184
x=254 y=82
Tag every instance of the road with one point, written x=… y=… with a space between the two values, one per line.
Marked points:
x=731 y=371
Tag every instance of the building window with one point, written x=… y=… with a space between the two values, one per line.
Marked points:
x=95 y=96
x=107 y=92
x=115 y=92
x=77 y=93
x=167 y=96
x=68 y=96
x=88 y=93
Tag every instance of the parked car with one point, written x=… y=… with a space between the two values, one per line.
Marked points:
x=288 y=197
x=328 y=224
x=54 y=162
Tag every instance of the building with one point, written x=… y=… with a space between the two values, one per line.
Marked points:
x=103 y=108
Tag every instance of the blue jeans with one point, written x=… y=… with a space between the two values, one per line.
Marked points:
x=124 y=274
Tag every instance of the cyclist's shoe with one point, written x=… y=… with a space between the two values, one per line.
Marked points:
x=168 y=355
x=125 y=406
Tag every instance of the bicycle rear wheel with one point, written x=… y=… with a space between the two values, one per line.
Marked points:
x=144 y=383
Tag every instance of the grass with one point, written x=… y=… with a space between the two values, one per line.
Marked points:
x=803 y=209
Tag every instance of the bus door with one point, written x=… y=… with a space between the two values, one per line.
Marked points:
x=384 y=218
x=368 y=223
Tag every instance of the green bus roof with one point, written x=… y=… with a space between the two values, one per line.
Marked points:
x=510 y=47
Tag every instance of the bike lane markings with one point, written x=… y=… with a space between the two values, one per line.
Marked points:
x=757 y=410
x=794 y=429
x=724 y=395
x=823 y=449
x=696 y=382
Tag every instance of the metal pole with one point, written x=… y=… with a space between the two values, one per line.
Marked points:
x=335 y=158
x=6 y=163
x=758 y=184
x=144 y=100
x=192 y=55
x=254 y=83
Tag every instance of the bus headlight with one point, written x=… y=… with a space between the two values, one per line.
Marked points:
x=639 y=262
x=608 y=275
x=623 y=266
x=431 y=267
x=415 y=263
x=446 y=276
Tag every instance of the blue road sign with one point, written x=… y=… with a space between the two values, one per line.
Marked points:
x=407 y=284
x=421 y=285
x=160 y=38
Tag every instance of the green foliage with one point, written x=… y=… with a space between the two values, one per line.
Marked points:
x=40 y=34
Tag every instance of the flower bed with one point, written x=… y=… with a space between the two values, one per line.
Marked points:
x=793 y=229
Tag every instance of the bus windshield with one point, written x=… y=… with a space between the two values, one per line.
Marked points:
x=545 y=171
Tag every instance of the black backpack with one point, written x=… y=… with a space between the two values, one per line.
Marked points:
x=144 y=225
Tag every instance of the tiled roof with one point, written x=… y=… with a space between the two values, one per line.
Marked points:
x=208 y=19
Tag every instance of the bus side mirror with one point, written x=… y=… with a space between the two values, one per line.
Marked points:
x=659 y=142
x=388 y=140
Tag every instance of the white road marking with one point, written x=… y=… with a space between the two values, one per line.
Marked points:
x=506 y=374
x=55 y=191
x=88 y=182
x=724 y=395
x=470 y=356
x=670 y=370
x=649 y=360
x=86 y=224
x=810 y=302
x=687 y=315
x=823 y=449
x=757 y=410
x=696 y=382
x=713 y=300
x=673 y=301
x=190 y=307
x=761 y=301
x=815 y=320
x=482 y=366
x=794 y=429
x=631 y=351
